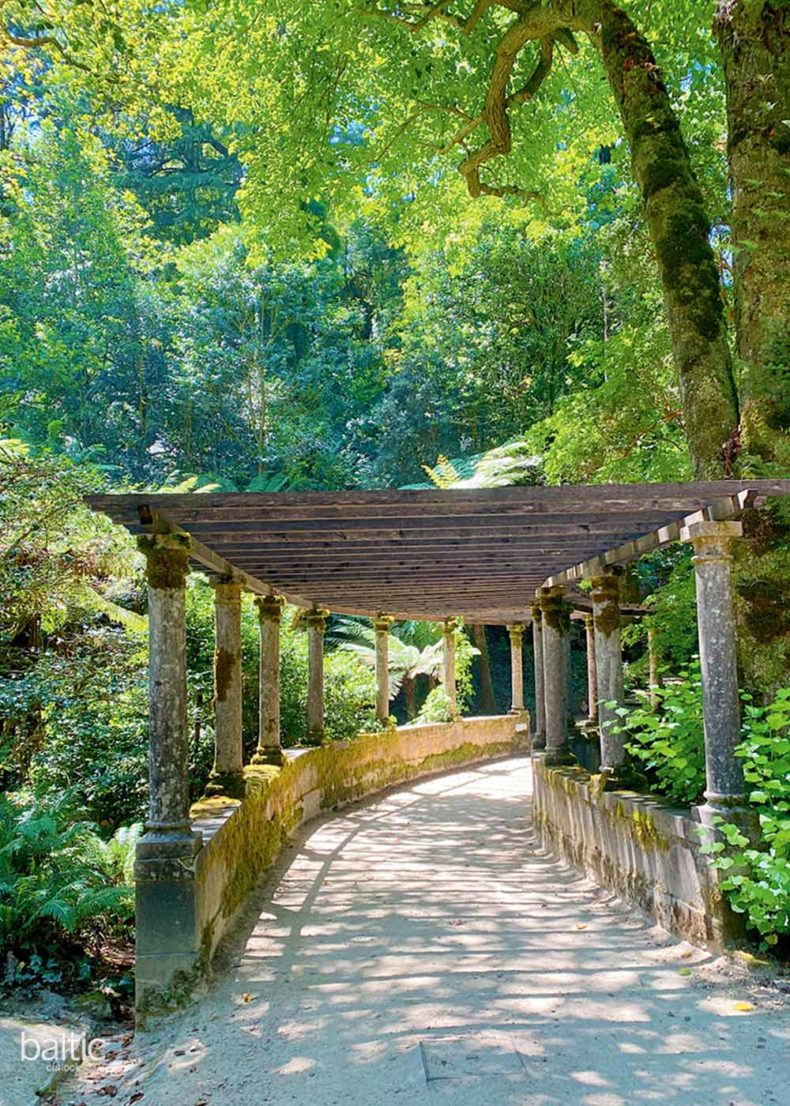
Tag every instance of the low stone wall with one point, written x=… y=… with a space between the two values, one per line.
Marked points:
x=643 y=849
x=240 y=839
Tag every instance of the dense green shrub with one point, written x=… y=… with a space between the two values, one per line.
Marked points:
x=668 y=744
x=76 y=721
x=65 y=892
x=758 y=883
x=436 y=707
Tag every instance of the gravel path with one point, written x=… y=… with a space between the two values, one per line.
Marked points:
x=421 y=947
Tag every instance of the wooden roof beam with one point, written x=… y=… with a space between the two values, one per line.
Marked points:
x=725 y=507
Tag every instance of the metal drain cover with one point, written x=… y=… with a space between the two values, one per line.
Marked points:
x=474 y=1056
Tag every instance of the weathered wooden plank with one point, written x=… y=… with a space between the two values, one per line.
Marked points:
x=685 y=497
x=396 y=527
x=384 y=597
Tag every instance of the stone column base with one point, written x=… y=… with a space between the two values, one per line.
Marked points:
x=271 y=755
x=167 y=939
x=731 y=925
x=561 y=755
x=226 y=783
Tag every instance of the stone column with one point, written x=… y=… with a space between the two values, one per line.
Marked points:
x=167 y=557
x=381 y=625
x=592 y=676
x=725 y=787
x=609 y=666
x=448 y=631
x=539 y=740
x=269 y=750
x=516 y=634
x=653 y=678
x=165 y=904
x=227 y=776
x=555 y=623
x=316 y=623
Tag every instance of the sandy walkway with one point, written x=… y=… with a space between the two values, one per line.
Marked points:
x=422 y=948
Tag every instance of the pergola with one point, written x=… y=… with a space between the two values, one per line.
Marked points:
x=507 y=555
x=478 y=554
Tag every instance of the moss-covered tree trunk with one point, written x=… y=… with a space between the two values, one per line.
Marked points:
x=680 y=232
x=754 y=41
x=488 y=703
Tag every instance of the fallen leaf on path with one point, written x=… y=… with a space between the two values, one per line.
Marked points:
x=582 y=925
x=685 y=955
x=744 y=1006
x=684 y=971
x=135 y=1098
x=246 y=997
x=109 y=1091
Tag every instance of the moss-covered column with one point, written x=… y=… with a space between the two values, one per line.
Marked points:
x=516 y=634
x=592 y=673
x=448 y=633
x=165 y=908
x=716 y=625
x=167 y=557
x=381 y=626
x=555 y=620
x=653 y=677
x=539 y=740
x=227 y=777
x=609 y=666
x=269 y=750
x=316 y=625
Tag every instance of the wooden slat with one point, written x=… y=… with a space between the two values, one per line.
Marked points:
x=397 y=527
x=685 y=497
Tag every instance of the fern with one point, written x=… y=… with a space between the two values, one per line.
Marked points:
x=60 y=879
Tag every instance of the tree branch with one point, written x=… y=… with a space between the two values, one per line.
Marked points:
x=495 y=113
x=43 y=40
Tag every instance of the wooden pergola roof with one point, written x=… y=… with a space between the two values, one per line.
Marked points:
x=429 y=554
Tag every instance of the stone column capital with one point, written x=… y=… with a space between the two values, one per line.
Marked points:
x=269 y=607
x=536 y=614
x=605 y=586
x=516 y=632
x=226 y=589
x=316 y=618
x=554 y=613
x=712 y=541
x=449 y=626
x=382 y=623
x=167 y=557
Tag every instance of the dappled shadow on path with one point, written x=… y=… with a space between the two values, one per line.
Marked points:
x=423 y=945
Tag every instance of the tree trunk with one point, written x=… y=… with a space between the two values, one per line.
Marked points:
x=410 y=697
x=754 y=41
x=488 y=704
x=679 y=229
